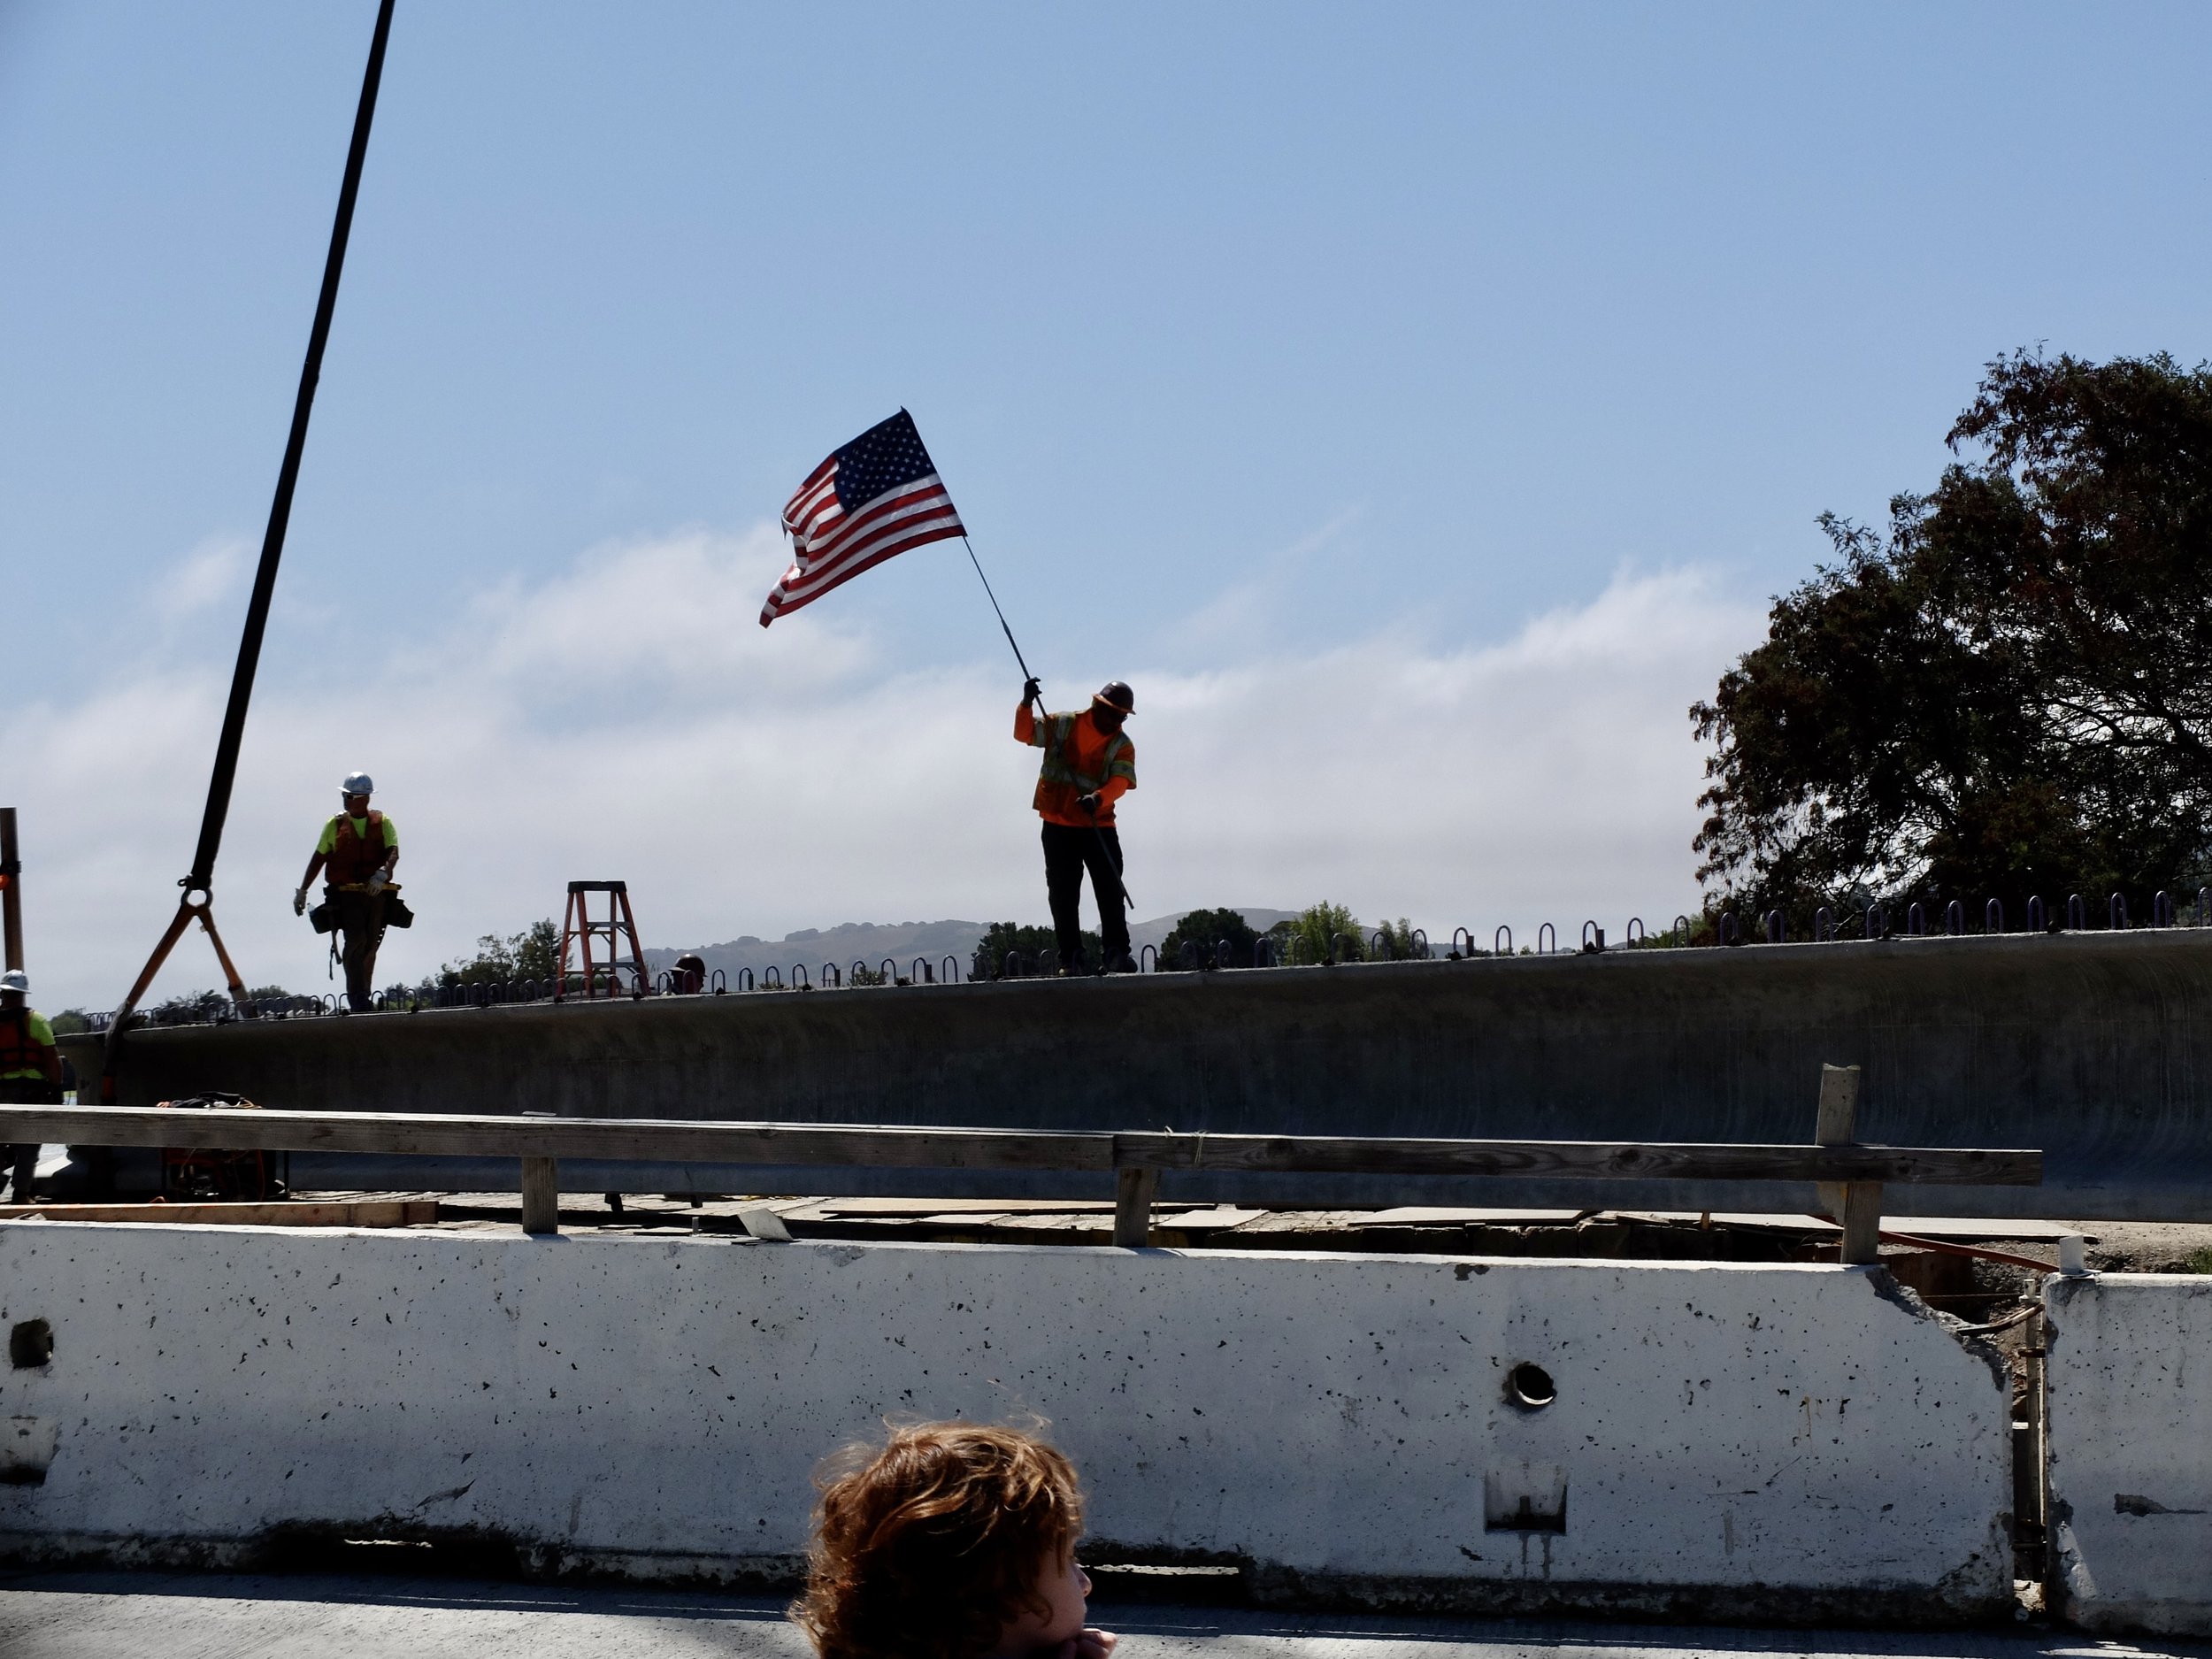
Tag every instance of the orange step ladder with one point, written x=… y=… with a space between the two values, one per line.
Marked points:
x=599 y=974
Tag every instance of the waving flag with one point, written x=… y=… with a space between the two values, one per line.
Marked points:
x=876 y=497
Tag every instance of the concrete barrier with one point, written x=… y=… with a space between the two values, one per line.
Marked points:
x=1796 y=1443
x=2129 y=1381
x=2096 y=1047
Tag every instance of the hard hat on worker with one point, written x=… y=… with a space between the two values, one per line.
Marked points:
x=15 y=980
x=357 y=783
x=1117 y=695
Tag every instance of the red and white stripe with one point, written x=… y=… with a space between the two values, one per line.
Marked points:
x=832 y=546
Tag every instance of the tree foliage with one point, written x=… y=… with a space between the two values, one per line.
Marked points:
x=1397 y=942
x=533 y=953
x=1312 y=934
x=1205 y=931
x=2011 y=694
x=1033 y=942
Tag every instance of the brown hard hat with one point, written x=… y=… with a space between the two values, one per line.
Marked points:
x=1115 y=694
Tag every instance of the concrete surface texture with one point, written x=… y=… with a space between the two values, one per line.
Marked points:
x=118 y=1616
x=1780 y=1442
x=2096 y=1047
x=2130 y=1449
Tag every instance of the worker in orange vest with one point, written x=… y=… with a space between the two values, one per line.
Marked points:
x=1089 y=763
x=358 y=850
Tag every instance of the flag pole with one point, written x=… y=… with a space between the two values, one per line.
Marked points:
x=993 y=597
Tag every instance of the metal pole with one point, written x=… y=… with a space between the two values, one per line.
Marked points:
x=199 y=885
x=993 y=597
x=218 y=787
x=11 y=888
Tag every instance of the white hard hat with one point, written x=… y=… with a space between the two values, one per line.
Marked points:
x=16 y=980
x=357 y=783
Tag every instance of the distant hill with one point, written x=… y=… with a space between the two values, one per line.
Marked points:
x=900 y=942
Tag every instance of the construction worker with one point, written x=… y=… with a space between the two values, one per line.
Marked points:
x=358 y=851
x=30 y=1068
x=1089 y=763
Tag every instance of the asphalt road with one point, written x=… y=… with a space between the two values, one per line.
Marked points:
x=167 y=1615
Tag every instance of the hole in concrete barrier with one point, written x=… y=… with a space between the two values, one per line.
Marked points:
x=30 y=1344
x=1530 y=1386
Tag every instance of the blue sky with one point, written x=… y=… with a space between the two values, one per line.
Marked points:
x=1245 y=336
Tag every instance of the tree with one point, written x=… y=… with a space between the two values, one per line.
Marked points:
x=1398 y=942
x=2009 y=695
x=533 y=953
x=1205 y=931
x=1311 y=935
x=1031 y=943
x=192 y=1008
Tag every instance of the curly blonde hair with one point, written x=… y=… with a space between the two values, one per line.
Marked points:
x=928 y=1546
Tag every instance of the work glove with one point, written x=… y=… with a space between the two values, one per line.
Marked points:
x=377 y=878
x=1031 y=690
x=1088 y=803
x=299 y=903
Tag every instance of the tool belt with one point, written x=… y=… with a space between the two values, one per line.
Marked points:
x=324 y=917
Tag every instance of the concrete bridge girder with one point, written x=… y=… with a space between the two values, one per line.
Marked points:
x=2096 y=1047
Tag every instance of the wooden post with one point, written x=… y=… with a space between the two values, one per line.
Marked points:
x=1856 y=1205
x=1134 y=1192
x=540 y=1195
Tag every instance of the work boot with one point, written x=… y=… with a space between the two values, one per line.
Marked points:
x=1123 y=963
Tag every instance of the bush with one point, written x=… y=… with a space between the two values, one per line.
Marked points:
x=1205 y=929
x=194 y=1008
x=1310 y=936
x=1032 y=941
x=1398 y=942
x=533 y=953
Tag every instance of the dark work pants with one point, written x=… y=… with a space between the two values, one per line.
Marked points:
x=23 y=1161
x=361 y=923
x=1068 y=852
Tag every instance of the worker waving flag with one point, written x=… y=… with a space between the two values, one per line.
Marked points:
x=874 y=498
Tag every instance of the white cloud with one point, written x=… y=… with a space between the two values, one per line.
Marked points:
x=203 y=576
x=630 y=718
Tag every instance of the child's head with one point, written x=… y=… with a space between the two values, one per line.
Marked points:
x=940 y=1543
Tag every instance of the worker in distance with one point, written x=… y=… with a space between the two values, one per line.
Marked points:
x=1089 y=763
x=30 y=1067
x=357 y=852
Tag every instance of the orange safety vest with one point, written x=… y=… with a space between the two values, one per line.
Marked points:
x=1059 y=783
x=353 y=859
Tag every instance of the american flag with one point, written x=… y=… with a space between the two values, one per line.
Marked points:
x=877 y=496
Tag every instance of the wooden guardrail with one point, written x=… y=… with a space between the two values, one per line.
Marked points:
x=1852 y=1176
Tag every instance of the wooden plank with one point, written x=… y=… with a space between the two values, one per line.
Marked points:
x=1461 y=1215
x=1134 y=1190
x=1835 y=1123
x=1219 y=1218
x=437 y=1134
x=950 y=1210
x=540 y=1195
x=1856 y=1204
x=1581 y=1159
x=383 y=1212
x=1862 y=1220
